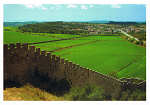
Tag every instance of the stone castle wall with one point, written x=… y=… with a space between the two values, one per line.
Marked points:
x=22 y=61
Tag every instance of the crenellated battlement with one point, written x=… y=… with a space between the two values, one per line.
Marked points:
x=22 y=61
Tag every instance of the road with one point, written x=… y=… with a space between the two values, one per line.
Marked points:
x=128 y=35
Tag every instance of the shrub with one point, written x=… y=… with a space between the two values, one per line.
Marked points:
x=95 y=93
x=131 y=40
x=141 y=42
x=125 y=95
x=137 y=42
x=88 y=93
x=136 y=95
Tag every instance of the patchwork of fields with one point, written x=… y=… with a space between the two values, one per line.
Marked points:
x=15 y=37
x=117 y=58
x=110 y=55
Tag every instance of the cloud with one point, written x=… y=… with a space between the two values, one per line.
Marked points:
x=35 y=6
x=28 y=5
x=84 y=7
x=44 y=8
x=91 y=6
x=71 y=6
x=32 y=5
x=115 y=6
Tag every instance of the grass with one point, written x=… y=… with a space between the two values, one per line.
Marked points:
x=17 y=37
x=60 y=44
x=107 y=56
x=29 y=93
x=138 y=69
x=60 y=36
x=10 y=29
x=11 y=36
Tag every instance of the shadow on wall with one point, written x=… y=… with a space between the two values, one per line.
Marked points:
x=27 y=64
x=57 y=87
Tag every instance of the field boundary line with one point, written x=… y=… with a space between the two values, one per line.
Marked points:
x=134 y=61
x=74 y=45
x=68 y=39
x=59 y=39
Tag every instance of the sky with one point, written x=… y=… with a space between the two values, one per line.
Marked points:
x=73 y=12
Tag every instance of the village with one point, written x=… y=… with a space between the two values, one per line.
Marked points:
x=99 y=29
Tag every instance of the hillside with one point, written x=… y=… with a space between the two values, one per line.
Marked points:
x=29 y=93
x=54 y=27
x=88 y=93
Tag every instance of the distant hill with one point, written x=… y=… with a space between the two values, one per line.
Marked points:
x=6 y=24
x=125 y=22
x=112 y=22
x=99 y=21
x=94 y=21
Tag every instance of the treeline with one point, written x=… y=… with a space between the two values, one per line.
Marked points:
x=54 y=27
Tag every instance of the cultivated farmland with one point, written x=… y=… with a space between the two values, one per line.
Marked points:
x=12 y=36
x=109 y=55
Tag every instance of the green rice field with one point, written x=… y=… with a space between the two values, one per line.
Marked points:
x=118 y=58
x=17 y=37
x=109 y=55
